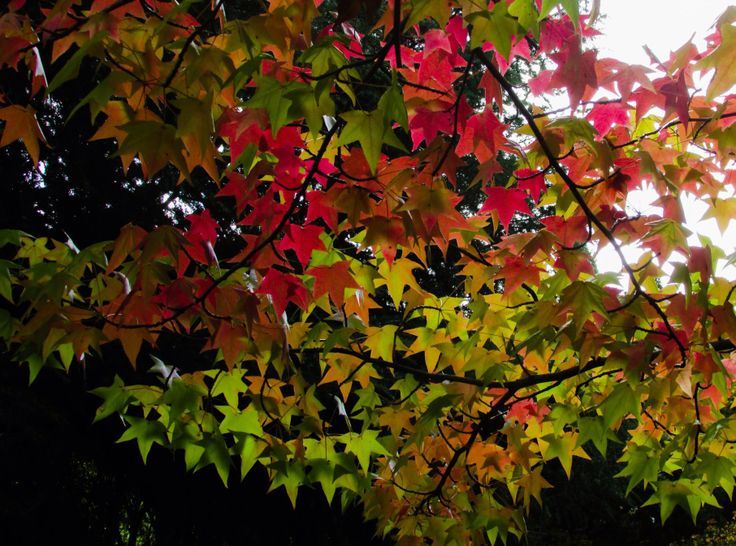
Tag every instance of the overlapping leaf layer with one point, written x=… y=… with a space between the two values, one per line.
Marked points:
x=348 y=140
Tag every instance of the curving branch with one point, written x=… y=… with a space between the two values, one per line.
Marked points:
x=575 y=191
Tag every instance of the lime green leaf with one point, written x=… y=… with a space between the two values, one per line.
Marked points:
x=496 y=27
x=289 y=475
x=363 y=446
x=247 y=421
x=722 y=60
x=525 y=12
x=249 y=449
x=145 y=432
x=217 y=453
x=115 y=399
x=641 y=465
x=230 y=385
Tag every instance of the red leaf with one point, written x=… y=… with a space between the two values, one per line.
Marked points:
x=456 y=29
x=685 y=311
x=231 y=341
x=505 y=202
x=705 y=364
x=604 y=116
x=517 y=271
x=425 y=125
x=436 y=39
x=482 y=136
x=570 y=232
x=436 y=71
x=202 y=227
x=283 y=288
x=201 y=235
x=576 y=70
x=240 y=189
x=266 y=213
x=676 y=98
x=700 y=261
x=332 y=279
x=541 y=83
x=302 y=240
x=526 y=409
x=492 y=90
x=574 y=263
x=531 y=181
x=321 y=207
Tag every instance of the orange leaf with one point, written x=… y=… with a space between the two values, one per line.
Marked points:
x=21 y=124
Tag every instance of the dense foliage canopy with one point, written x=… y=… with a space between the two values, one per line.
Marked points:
x=394 y=295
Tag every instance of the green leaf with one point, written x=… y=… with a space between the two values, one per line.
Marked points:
x=195 y=118
x=187 y=436
x=560 y=448
x=323 y=56
x=34 y=363
x=7 y=324
x=525 y=12
x=183 y=397
x=217 y=453
x=115 y=399
x=722 y=59
x=6 y=289
x=496 y=27
x=323 y=472
x=156 y=145
x=380 y=341
x=687 y=494
x=11 y=237
x=145 y=432
x=393 y=106
x=247 y=421
x=641 y=465
x=363 y=445
x=304 y=104
x=248 y=449
x=575 y=130
x=289 y=475
x=621 y=402
x=272 y=96
x=718 y=472
x=593 y=429
x=367 y=128
x=570 y=6
x=584 y=298
x=230 y=385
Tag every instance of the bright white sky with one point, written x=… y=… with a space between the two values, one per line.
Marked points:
x=664 y=26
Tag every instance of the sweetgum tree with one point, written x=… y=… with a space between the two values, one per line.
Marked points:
x=358 y=320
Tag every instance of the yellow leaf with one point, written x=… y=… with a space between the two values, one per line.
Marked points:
x=532 y=484
x=380 y=341
x=722 y=59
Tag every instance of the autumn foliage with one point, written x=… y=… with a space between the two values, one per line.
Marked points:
x=348 y=158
